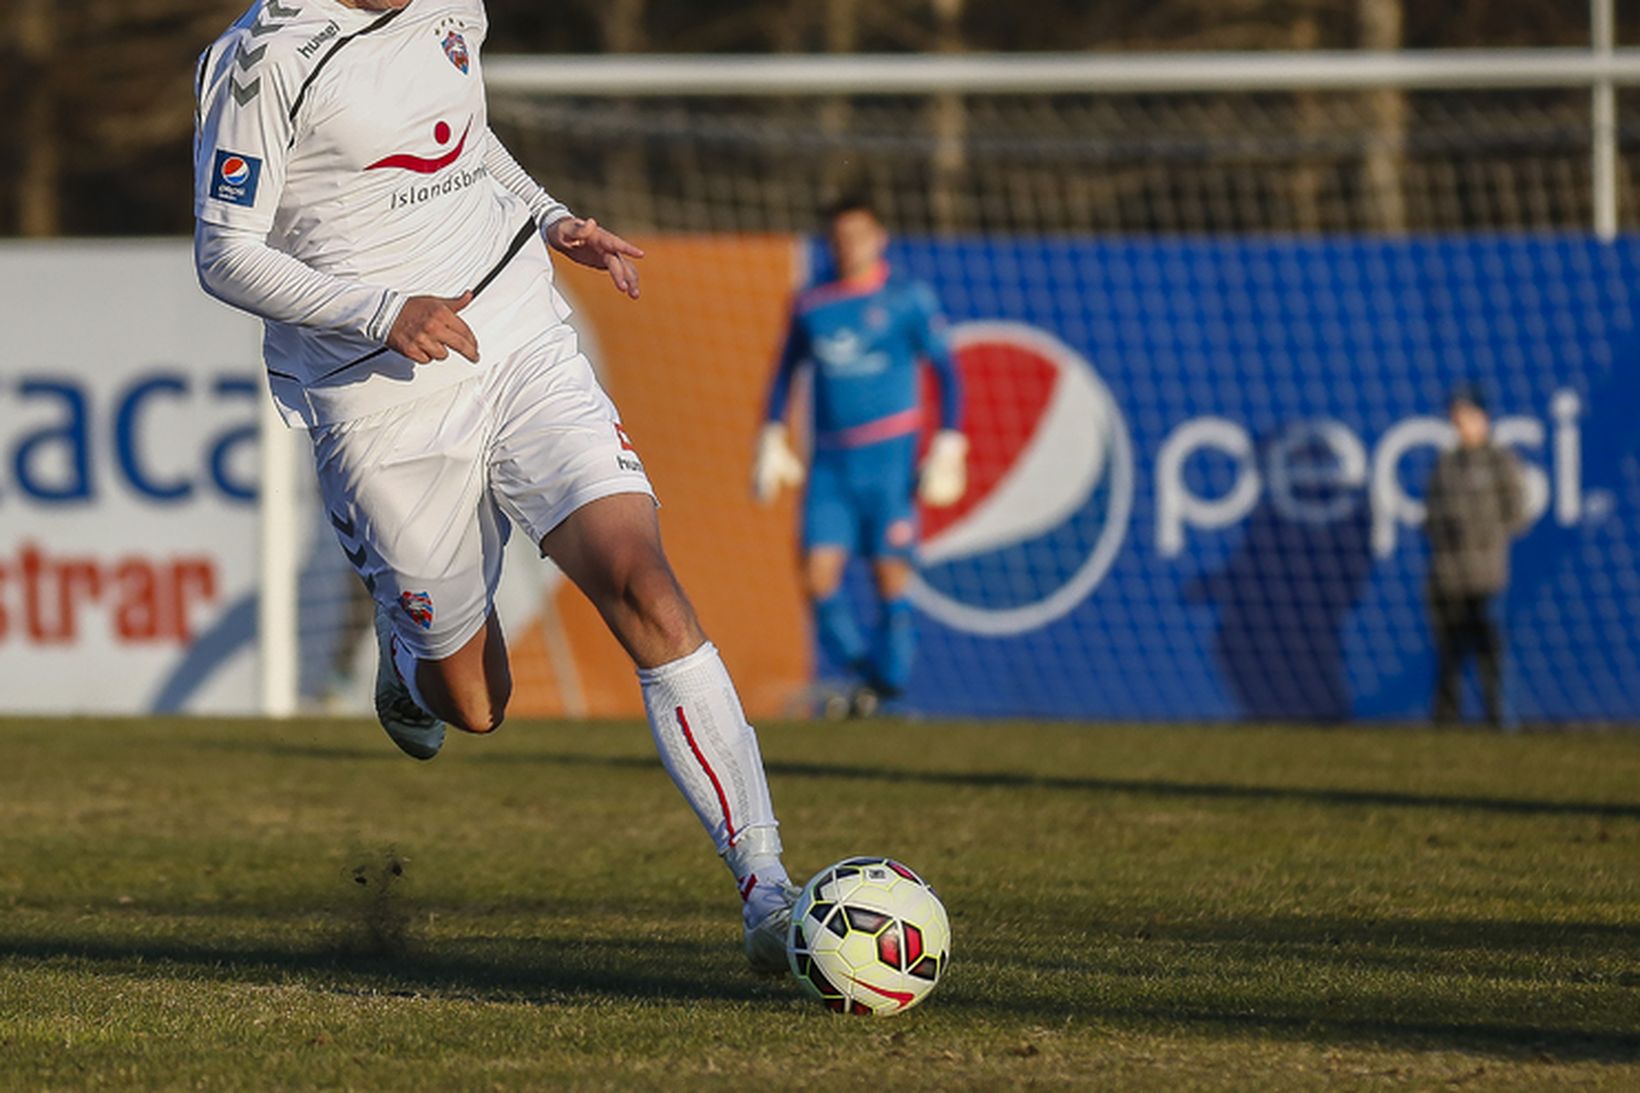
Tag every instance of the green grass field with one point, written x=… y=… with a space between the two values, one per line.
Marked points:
x=242 y=906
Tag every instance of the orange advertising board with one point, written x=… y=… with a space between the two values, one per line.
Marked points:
x=688 y=365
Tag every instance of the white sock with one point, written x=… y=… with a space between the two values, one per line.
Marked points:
x=711 y=753
x=405 y=661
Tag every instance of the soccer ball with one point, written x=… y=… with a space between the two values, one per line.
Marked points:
x=868 y=937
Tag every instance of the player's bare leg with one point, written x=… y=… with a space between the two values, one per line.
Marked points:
x=414 y=699
x=612 y=550
x=893 y=576
x=471 y=687
x=823 y=571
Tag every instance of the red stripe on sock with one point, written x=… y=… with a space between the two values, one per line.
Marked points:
x=723 y=800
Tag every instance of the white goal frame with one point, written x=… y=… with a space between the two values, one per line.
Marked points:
x=1601 y=68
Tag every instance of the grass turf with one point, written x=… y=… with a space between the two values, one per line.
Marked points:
x=243 y=905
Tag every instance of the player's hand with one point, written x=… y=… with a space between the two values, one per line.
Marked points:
x=429 y=327
x=585 y=242
x=944 y=470
x=776 y=466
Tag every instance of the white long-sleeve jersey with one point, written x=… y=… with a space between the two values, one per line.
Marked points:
x=343 y=163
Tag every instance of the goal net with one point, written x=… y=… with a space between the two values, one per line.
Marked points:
x=1207 y=341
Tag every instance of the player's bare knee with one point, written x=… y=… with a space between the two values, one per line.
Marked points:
x=498 y=715
x=821 y=579
x=480 y=717
x=467 y=699
x=893 y=576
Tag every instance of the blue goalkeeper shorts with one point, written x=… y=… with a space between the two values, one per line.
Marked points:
x=863 y=500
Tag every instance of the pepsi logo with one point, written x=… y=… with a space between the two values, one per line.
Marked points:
x=235 y=171
x=1050 y=492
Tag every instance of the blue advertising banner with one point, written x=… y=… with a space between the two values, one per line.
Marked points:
x=1198 y=468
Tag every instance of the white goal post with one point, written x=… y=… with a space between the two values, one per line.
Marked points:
x=1057 y=73
x=1601 y=69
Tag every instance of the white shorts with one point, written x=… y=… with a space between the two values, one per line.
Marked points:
x=423 y=495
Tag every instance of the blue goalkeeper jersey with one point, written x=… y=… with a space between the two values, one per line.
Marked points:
x=864 y=340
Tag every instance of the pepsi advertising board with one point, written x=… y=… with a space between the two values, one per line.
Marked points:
x=1197 y=473
x=1197 y=469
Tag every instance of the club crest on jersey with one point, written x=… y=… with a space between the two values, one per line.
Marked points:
x=419 y=606
x=455 y=48
x=234 y=177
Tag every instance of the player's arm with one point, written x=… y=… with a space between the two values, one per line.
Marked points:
x=777 y=464
x=581 y=241
x=241 y=147
x=510 y=175
x=944 y=477
x=794 y=350
x=237 y=266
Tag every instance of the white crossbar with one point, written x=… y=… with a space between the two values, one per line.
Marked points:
x=1058 y=73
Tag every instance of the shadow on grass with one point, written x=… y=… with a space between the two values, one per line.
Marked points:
x=535 y=971
x=1531 y=967
x=1148 y=787
x=543 y=972
x=373 y=748
x=1501 y=1040
x=1508 y=957
x=1543 y=939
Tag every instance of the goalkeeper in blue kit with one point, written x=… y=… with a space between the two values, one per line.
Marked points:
x=863 y=337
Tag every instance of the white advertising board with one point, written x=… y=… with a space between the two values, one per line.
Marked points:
x=129 y=404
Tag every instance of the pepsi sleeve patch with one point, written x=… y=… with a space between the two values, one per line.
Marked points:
x=234 y=178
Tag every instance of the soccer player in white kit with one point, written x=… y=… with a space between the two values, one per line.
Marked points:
x=349 y=191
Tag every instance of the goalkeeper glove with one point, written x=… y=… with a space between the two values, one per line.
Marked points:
x=776 y=466
x=944 y=470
